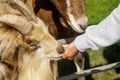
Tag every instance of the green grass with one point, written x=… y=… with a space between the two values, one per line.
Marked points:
x=97 y=10
x=101 y=57
x=105 y=56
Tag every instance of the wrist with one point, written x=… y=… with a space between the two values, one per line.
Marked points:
x=72 y=45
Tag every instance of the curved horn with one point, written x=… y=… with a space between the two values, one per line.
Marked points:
x=20 y=6
x=18 y=22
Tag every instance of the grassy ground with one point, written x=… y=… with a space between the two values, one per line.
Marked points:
x=97 y=10
x=101 y=57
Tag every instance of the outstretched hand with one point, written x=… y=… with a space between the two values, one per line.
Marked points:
x=70 y=51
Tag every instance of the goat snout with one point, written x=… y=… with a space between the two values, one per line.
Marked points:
x=82 y=22
x=83 y=26
x=60 y=49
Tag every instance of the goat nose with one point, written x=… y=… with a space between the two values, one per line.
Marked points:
x=83 y=26
x=60 y=49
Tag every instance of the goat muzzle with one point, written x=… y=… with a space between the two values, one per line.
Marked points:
x=60 y=49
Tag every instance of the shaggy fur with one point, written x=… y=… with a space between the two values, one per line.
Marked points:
x=26 y=51
x=25 y=42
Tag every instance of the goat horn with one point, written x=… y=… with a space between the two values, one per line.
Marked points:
x=20 y=6
x=18 y=22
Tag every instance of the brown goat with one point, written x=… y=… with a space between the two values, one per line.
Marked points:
x=63 y=16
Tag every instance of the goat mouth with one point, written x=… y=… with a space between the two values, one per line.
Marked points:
x=77 y=28
x=56 y=58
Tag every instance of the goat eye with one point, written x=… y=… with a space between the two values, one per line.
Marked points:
x=31 y=42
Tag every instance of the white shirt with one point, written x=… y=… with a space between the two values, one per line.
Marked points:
x=104 y=34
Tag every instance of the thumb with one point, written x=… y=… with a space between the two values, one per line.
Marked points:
x=65 y=46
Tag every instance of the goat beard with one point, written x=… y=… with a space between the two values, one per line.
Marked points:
x=33 y=67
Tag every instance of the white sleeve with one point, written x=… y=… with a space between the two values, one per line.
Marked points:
x=104 y=34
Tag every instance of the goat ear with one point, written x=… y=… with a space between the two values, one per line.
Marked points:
x=18 y=22
x=8 y=50
x=5 y=49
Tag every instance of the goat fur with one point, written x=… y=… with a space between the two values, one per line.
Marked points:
x=27 y=53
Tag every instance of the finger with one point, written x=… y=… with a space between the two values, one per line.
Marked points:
x=64 y=56
x=67 y=57
x=65 y=46
x=70 y=58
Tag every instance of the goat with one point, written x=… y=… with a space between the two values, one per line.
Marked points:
x=25 y=44
x=60 y=15
x=73 y=12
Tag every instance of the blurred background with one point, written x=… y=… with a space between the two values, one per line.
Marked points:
x=97 y=10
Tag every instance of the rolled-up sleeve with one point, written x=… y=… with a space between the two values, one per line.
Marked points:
x=104 y=34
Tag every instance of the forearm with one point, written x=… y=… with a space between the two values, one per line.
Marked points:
x=104 y=34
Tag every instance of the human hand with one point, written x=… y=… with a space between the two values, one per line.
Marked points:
x=70 y=51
